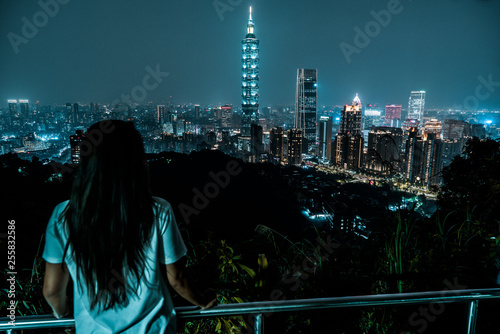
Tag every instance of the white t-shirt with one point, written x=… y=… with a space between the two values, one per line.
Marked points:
x=151 y=310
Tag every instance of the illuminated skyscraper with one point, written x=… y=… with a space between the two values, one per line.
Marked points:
x=250 y=79
x=414 y=156
x=305 y=105
x=225 y=117
x=294 y=146
x=24 y=109
x=416 y=105
x=276 y=144
x=160 y=114
x=74 y=141
x=348 y=146
x=325 y=138
x=13 y=113
x=432 y=159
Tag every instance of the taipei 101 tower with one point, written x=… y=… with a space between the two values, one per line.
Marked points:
x=250 y=79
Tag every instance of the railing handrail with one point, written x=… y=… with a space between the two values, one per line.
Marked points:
x=255 y=308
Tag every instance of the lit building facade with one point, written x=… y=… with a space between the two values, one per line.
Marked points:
x=414 y=156
x=384 y=147
x=416 y=105
x=250 y=79
x=225 y=116
x=325 y=138
x=348 y=145
x=455 y=129
x=74 y=141
x=432 y=160
x=160 y=114
x=433 y=127
x=13 y=114
x=306 y=105
x=276 y=144
x=393 y=115
x=24 y=109
x=294 y=146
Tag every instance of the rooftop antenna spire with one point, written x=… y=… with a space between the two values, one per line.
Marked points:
x=250 y=13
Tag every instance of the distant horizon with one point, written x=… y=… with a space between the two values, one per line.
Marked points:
x=62 y=50
x=404 y=106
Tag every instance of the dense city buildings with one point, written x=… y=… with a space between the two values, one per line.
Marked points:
x=250 y=79
x=412 y=144
x=306 y=105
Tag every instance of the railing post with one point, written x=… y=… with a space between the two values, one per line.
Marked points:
x=259 y=324
x=471 y=323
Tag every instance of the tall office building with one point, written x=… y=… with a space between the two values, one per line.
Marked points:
x=13 y=113
x=455 y=129
x=256 y=143
x=250 y=79
x=384 y=146
x=71 y=112
x=416 y=105
x=423 y=158
x=348 y=146
x=414 y=156
x=225 y=117
x=433 y=126
x=393 y=115
x=325 y=138
x=294 y=146
x=24 y=109
x=432 y=160
x=160 y=114
x=74 y=141
x=196 y=111
x=305 y=105
x=276 y=144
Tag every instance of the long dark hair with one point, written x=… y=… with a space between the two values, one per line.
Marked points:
x=110 y=214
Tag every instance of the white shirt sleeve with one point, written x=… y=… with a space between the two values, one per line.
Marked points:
x=55 y=240
x=171 y=246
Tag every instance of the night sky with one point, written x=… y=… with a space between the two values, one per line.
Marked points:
x=97 y=50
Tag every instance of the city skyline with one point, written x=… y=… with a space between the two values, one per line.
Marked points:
x=98 y=51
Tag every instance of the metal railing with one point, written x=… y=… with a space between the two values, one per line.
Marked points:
x=260 y=310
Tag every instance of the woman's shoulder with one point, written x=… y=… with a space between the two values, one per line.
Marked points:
x=58 y=209
x=161 y=203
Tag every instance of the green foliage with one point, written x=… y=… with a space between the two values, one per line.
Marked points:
x=471 y=183
x=28 y=293
x=232 y=280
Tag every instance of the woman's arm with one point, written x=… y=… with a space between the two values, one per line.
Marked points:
x=177 y=278
x=54 y=288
